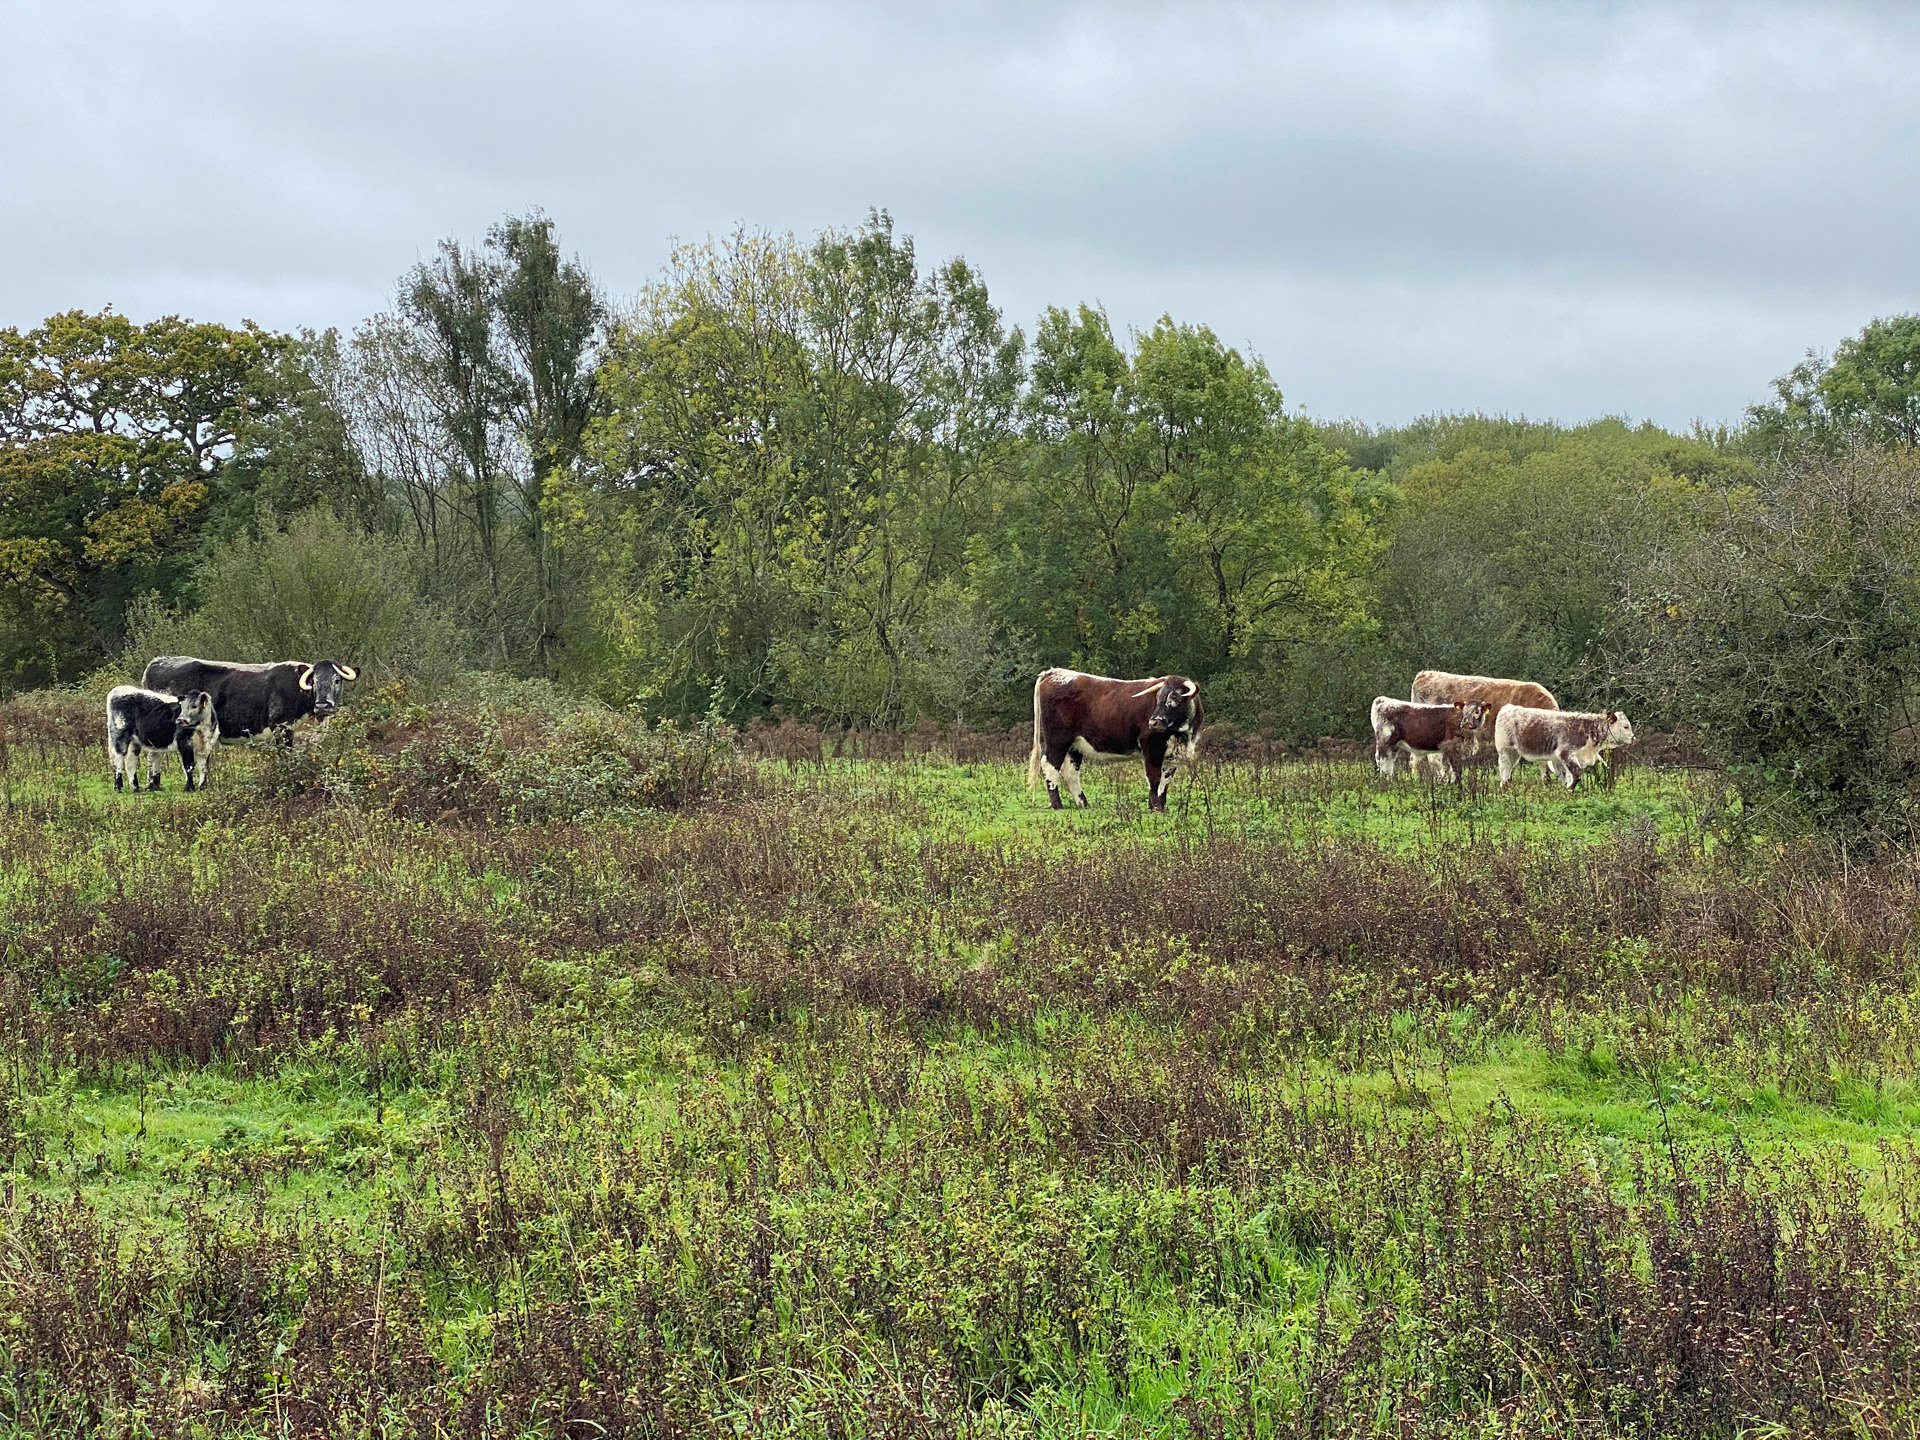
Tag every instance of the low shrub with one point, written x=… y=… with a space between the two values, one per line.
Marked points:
x=48 y=720
x=504 y=763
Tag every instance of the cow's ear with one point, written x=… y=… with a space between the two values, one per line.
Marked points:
x=348 y=672
x=306 y=677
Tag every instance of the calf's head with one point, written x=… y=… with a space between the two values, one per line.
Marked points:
x=195 y=712
x=1174 y=711
x=1473 y=715
x=324 y=678
x=1619 y=728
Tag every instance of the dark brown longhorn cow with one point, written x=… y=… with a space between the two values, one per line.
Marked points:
x=1079 y=717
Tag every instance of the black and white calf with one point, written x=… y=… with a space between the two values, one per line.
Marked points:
x=149 y=723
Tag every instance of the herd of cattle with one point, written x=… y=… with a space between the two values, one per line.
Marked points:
x=1079 y=717
x=187 y=705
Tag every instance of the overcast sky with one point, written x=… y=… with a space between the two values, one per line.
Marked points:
x=1561 y=211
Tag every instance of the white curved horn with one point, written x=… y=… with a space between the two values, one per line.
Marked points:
x=1193 y=688
x=1152 y=689
x=306 y=677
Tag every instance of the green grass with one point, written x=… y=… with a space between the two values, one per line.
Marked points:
x=303 y=1140
x=990 y=803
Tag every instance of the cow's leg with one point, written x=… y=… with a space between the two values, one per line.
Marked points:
x=156 y=763
x=1051 y=759
x=1386 y=758
x=114 y=759
x=186 y=762
x=1070 y=770
x=1157 y=779
x=1569 y=768
x=1508 y=758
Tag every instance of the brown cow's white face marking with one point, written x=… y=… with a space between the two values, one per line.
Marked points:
x=1174 y=713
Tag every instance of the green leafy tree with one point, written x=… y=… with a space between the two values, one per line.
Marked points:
x=1867 y=393
x=118 y=441
x=471 y=399
x=1169 y=513
x=294 y=450
x=317 y=585
x=1511 y=545
x=550 y=322
x=1786 y=629
x=443 y=346
x=799 y=443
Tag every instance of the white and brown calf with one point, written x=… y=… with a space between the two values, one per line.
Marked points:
x=1567 y=742
x=145 y=724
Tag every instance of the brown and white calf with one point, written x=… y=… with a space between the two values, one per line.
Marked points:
x=1567 y=742
x=1443 y=687
x=1442 y=734
x=1079 y=717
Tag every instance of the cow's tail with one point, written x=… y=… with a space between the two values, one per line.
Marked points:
x=1033 y=755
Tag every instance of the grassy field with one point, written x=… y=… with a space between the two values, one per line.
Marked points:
x=459 y=1073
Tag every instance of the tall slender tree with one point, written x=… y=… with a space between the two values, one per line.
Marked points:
x=550 y=326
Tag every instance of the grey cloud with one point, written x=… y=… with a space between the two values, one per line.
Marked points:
x=1561 y=210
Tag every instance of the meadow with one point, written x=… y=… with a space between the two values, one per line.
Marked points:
x=482 y=1069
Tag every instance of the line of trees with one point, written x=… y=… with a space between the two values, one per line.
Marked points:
x=827 y=478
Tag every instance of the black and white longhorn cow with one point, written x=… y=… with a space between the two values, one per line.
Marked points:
x=252 y=698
